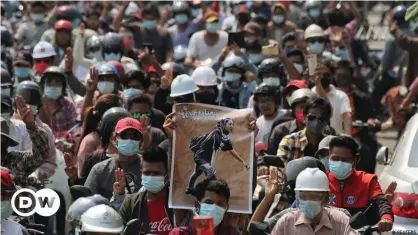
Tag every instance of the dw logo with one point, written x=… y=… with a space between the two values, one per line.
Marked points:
x=44 y=202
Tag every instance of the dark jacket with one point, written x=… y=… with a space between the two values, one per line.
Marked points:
x=161 y=101
x=278 y=132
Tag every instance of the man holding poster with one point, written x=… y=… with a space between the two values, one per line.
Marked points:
x=200 y=132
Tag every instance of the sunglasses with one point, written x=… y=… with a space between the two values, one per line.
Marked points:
x=46 y=60
x=137 y=115
x=313 y=118
x=313 y=40
x=130 y=136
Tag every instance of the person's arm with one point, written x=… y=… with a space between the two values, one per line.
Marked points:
x=284 y=150
x=20 y=33
x=72 y=81
x=279 y=228
x=119 y=17
x=126 y=208
x=169 y=48
x=78 y=49
x=346 y=115
x=91 y=86
x=236 y=156
x=412 y=96
x=320 y=91
x=288 y=65
x=191 y=51
x=385 y=208
x=407 y=43
x=93 y=179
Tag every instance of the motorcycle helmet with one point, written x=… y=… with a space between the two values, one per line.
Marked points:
x=399 y=13
x=113 y=43
x=6 y=37
x=269 y=91
x=108 y=122
x=269 y=66
x=180 y=7
x=31 y=93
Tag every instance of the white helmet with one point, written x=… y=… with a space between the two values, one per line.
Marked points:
x=43 y=50
x=204 y=76
x=234 y=62
x=180 y=52
x=78 y=207
x=313 y=31
x=101 y=219
x=183 y=85
x=312 y=179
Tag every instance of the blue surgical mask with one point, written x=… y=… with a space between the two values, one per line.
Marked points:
x=106 y=87
x=181 y=18
x=255 y=58
x=195 y=12
x=316 y=47
x=128 y=147
x=5 y=91
x=212 y=27
x=342 y=53
x=271 y=81
x=150 y=24
x=128 y=93
x=153 y=184
x=37 y=17
x=314 y=12
x=6 y=116
x=340 y=170
x=325 y=161
x=97 y=55
x=310 y=208
x=75 y=23
x=278 y=19
x=216 y=212
x=231 y=77
x=298 y=67
x=112 y=56
x=52 y=93
x=6 y=209
x=22 y=72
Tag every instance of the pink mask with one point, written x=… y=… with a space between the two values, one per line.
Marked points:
x=40 y=67
x=300 y=118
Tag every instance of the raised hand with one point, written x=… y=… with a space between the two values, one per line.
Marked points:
x=68 y=60
x=70 y=167
x=146 y=129
x=251 y=124
x=81 y=29
x=391 y=190
x=120 y=182
x=169 y=124
x=167 y=79
x=91 y=84
x=25 y=112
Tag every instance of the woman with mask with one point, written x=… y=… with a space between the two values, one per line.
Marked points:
x=58 y=111
x=206 y=80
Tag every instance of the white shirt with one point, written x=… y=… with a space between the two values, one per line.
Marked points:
x=199 y=50
x=264 y=126
x=9 y=227
x=340 y=104
x=19 y=133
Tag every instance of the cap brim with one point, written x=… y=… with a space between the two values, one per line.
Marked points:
x=13 y=142
x=128 y=127
x=212 y=19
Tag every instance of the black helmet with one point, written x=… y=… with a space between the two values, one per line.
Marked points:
x=399 y=13
x=53 y=70
x=112 y=43
x=267 y=90
x=31 y=92
x=6 y=37
x=270 y=65
x=67 y=12
x=180 y=7
x=5 y=77
x=109 y=121
x=94 y=42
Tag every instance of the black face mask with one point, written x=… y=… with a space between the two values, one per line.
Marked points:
x=342 y=82
x=243 y=19
x=325 y=82
x=206 y=97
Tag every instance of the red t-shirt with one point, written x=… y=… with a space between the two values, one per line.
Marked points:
x=159 y=222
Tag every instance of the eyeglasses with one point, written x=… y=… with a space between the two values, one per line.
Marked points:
x=137 y=115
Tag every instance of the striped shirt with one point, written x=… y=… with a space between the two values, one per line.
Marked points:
x=292 y=146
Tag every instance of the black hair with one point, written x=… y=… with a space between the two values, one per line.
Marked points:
x=61 y=77
x=345 y=64
x=218 y=186
x=297 y=52
x=150 y=9
x=320 y=103
x=37 y=4
x=288 y=37
x=139 y=98
x=155 y=154
x=136 y=75
x=346 y=142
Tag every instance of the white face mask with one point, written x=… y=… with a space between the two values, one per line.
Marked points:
x=106 y=87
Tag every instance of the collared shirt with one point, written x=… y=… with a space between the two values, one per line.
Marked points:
x=333 y=221
x=340 y=104
x=19 y=133
x=292 y=146
x=23 y=163
x=63 y=118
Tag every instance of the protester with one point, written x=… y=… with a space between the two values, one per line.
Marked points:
x=44 y=56
x=206 y=79
x=22 y=67
x=101 y=219
x=279 y=25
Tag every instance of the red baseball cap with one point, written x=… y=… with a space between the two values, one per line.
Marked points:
x=260 y=146
x=299 y=84
x=128 y=123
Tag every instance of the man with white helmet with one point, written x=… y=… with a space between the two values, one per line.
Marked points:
x=100 y=220
x=43 y=56
x=312 y=189
x=206 y=79
x=183 y=89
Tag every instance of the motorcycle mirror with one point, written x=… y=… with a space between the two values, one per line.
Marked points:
x=134 y=225
x=78 y=191
x=382 y=155
x=256 y=228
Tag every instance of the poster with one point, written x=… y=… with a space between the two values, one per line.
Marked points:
x=211 y=141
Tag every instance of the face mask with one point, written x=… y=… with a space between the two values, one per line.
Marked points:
x=97 y=55
x=314 y=12
x=206 y=97
x=40 y=67
x=128 y=93
x=340 y=170
x=106 y=87
x=325 y=82
x=154 y=184
x=5 y=91
x=181 y=19
x=278 y=19
x=325 y=161
x=6 y=116
x=150 y=24
x=255 y=58
x=111 y=56
x=272 y=81
x=230 y=77
x=195 y=12
x=128 y=147
x=34 y=109
x=316 y=47
x=22 y=72
x=243 y=19
x=299 y=68
x=37 y=17
x=314 y=126
x=75 y=23
x=6 y=209
x=213 y=210
x=212 y=27
x=310 y=208
x=300 y=118
x=342 y=82
x=342 y=53
x=53 y=93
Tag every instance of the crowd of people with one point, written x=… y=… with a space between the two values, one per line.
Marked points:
x=94 y=82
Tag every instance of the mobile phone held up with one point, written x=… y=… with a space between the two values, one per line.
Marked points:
x=237 y=38
x=149 y=47
x=203 y=225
